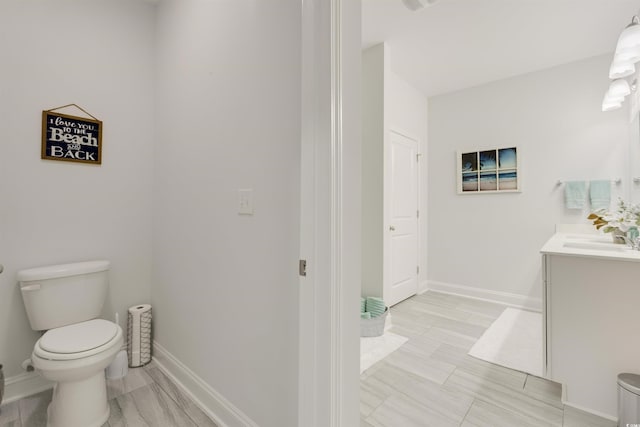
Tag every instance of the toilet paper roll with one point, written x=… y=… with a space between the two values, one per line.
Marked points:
x=139 y=335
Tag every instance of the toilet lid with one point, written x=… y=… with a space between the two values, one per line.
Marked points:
x=78 y=337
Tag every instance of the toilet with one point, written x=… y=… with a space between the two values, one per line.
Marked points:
x=65 y=301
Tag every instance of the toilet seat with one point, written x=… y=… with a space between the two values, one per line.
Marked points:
x=77 y=341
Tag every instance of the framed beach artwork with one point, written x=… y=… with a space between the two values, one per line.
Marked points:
x=494 y=170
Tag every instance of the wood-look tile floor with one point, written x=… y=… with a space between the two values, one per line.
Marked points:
x=432 y=381
x=429 y=381
x=145 y=397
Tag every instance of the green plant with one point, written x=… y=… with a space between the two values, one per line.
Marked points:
x=624 y=217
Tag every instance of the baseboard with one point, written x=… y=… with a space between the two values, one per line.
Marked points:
x=23 y=385
x=563 y=399
x=424 y=287
x=591 y=411
x=388 y=324
x=504 y=298
x=223 y=412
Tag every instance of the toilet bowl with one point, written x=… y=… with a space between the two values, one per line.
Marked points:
x=65 y=301
x=75 y=357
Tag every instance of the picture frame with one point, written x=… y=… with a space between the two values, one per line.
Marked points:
x=71 y=138
x=487 y=171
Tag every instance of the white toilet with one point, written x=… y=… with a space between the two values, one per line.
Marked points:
x=65 y=300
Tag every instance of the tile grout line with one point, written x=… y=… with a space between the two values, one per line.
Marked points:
x=174 y=400
x=535 y=393
x=21 y=424
x=403 y=393
x=523 y=393
x=533 y=397
x=468 y=410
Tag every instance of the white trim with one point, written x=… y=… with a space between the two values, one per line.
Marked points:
x=214 y=404
x=424 y=287
x=585 y=409
x=330 y=204
x=321 y=356
x=24 y=385
x=335 y=374
x=314 y=195
x=504 y=298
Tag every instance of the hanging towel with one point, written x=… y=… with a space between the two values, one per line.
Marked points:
x=575 y=194
x=600 y=194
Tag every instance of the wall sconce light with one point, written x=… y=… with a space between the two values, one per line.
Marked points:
x=610 y=105
x=621 y=69
x=619 y=88
x=629 y=40
x=623 y=65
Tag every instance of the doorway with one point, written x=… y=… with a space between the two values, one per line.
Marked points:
x=401 y=245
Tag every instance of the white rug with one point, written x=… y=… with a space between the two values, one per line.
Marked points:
x=514 y=340
x=374 y=349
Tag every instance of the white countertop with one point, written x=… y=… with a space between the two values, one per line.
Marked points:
x=590 y=246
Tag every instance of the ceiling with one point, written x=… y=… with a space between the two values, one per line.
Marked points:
x=455 y=44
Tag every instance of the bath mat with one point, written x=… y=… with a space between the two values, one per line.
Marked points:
x=374 y=349
x=514 y=341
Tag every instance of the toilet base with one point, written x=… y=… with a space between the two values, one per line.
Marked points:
x=79 y=403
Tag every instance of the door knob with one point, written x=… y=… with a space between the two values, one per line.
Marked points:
x=1 y=268
x=392 y=228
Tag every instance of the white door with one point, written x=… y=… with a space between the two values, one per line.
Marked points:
x=401 y=251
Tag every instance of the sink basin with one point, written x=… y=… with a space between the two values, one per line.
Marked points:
x=583 y=236
x=595 y=245
x=597 y=239
x=589 y=245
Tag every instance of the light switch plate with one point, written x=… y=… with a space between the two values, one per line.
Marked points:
x=245 y=202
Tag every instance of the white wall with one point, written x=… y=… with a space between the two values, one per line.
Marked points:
x=489 y=244
x=99 y=55
x=634 y=159
x=225 y=286
x=375 y=66
x=388 y=104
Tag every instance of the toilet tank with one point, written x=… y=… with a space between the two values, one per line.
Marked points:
x=60 y=295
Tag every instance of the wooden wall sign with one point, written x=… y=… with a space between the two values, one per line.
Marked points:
x=71 y=138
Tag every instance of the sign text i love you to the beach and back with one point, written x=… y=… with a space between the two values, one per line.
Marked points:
x=71 y=138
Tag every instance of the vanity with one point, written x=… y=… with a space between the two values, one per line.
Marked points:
x=591 y=298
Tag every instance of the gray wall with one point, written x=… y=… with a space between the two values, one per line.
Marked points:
x=99 y=55
x=489 y=244
x=225 y=286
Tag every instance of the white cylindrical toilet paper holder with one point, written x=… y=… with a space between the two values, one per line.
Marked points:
x=139 y=335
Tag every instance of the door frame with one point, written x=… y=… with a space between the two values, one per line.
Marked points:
x=329 y=357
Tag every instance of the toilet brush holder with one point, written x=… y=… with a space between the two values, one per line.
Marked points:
x=119 y=368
